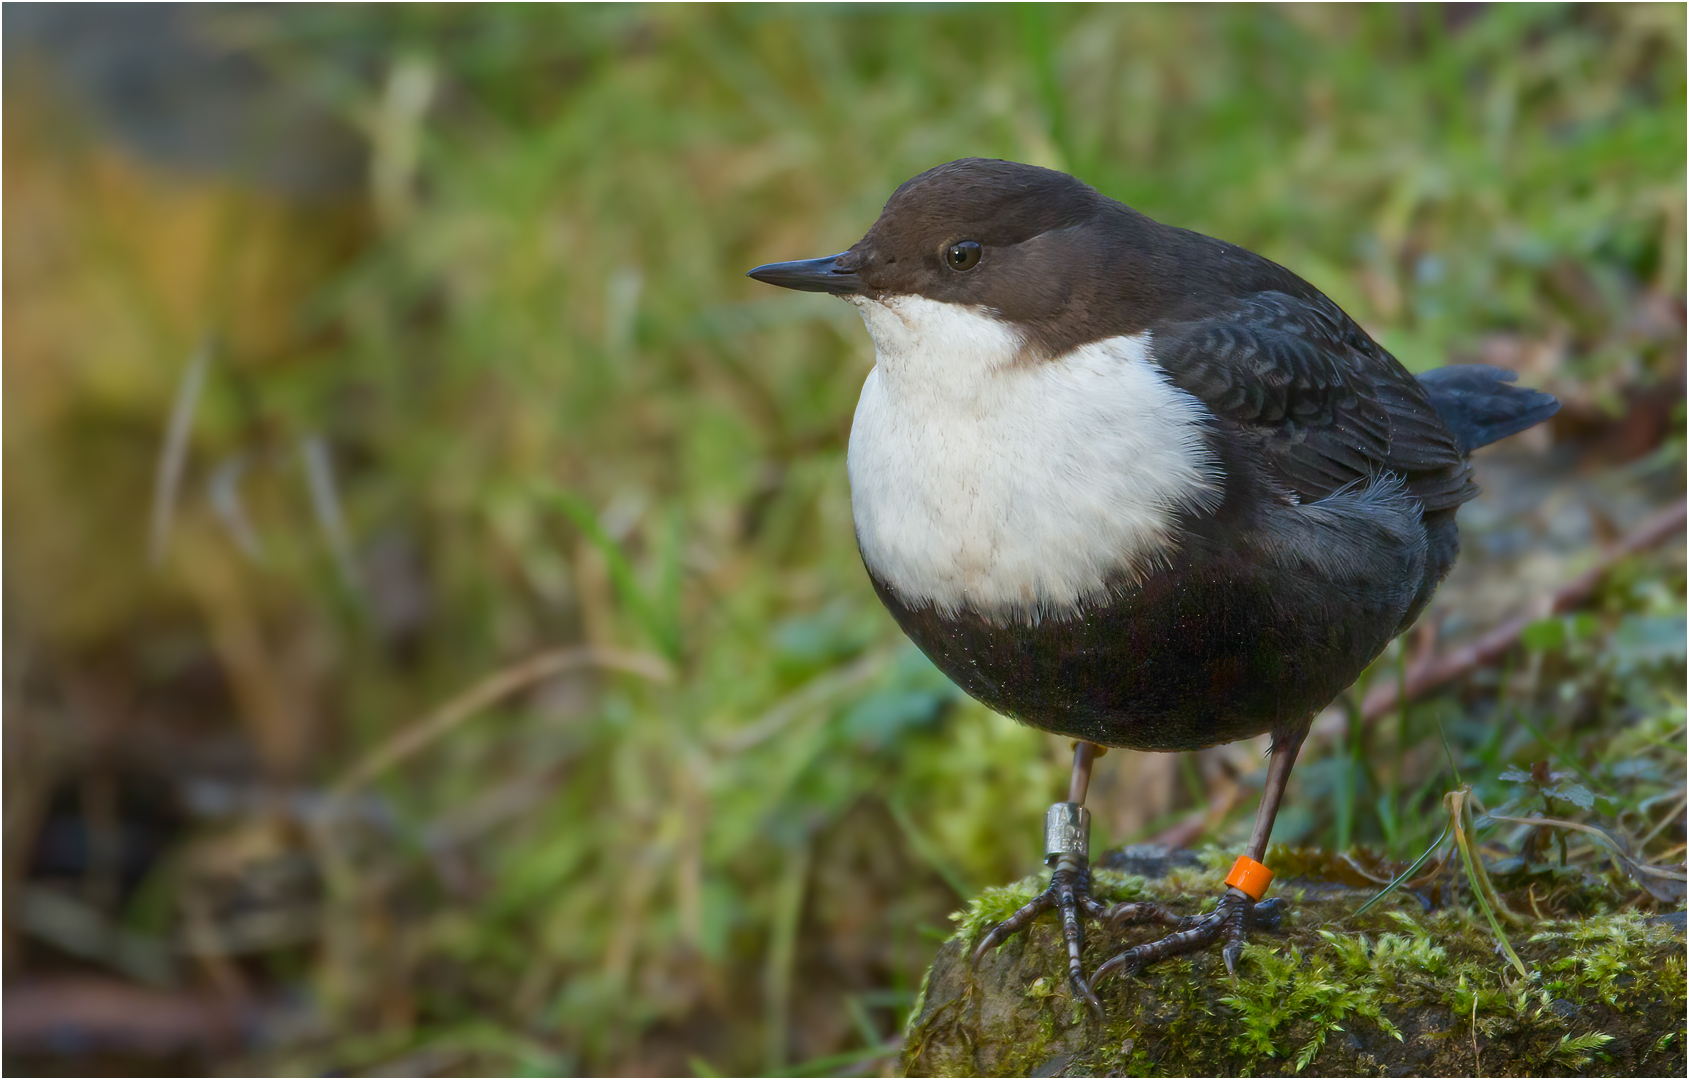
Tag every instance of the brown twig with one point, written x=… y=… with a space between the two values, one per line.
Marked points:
x=1430 y=672
x=1185 y=832
x=414 y=736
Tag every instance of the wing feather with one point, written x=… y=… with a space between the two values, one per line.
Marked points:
x=1326 y=406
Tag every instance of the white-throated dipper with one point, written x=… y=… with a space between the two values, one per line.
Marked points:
x=1139 y=487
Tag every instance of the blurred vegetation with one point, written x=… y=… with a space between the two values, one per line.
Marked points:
x=433 y=621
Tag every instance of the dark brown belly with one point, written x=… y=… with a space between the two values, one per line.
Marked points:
x=1192 y=657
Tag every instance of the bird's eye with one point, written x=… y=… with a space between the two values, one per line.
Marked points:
x=963 y=255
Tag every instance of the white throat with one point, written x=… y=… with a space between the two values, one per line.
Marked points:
x=983 y=479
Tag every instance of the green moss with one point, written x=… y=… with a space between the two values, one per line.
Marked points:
x=1113 y=886
x=1310 y=995
x=1600 y=954
x=993 y=904
x=919 y=1005
x=1577 y=1052
x=1399 y=988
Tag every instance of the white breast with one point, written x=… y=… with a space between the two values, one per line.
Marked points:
x=1017 y=487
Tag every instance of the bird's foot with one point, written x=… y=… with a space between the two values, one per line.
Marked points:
x=1231 y=920
x=1070 y=894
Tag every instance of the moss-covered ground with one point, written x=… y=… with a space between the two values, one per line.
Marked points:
x=1411 y=988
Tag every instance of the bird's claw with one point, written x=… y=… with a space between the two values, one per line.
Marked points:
x=1231 y=920
x=1070 y=894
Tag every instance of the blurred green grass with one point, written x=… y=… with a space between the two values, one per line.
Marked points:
x=550 y=411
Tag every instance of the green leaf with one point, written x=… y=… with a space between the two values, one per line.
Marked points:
x=1544 y=635
x=1576 y=794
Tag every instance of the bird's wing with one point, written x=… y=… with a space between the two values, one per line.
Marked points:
x=1323 y=403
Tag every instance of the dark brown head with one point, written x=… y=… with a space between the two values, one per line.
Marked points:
x=1032 y=247
x=992 y=233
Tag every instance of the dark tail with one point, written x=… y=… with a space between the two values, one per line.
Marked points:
x=1478 y=406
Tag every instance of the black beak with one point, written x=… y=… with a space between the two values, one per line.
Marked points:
x=811 y=275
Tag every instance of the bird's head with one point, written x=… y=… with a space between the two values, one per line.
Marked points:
x=995 y=246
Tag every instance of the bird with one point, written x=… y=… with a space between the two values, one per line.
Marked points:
x=1139 y=487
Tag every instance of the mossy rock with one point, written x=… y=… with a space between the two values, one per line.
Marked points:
x=1400 y=991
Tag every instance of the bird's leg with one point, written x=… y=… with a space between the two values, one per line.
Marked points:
x=1240 y=908
x=1067 y=836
